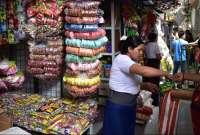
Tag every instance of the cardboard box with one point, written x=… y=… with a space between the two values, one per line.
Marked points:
x=5 y=121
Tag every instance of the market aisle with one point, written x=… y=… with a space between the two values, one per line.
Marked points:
x=151 y=127
x=184 y=126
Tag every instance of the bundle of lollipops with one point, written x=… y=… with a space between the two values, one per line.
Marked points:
x=84 y=42
x=44 y=24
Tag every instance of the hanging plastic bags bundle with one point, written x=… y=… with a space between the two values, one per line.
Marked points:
x=10 y=78
x=84 y=42
x=44 y=25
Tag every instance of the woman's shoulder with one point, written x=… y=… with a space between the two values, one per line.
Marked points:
x=121 y=58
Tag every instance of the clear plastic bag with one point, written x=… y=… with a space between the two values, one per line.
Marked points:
x=81 y=20
x=54 y=51
x=86 y=35
x=50 y=76
x=52 y=70
x=37 y=57
x=83 y=5
x=14 y=81
x=7 y=67
x=35 y=64
x=81 y=12
x=38 y=50
x=50 y=64
x=55 y=43
x=3 y=85
x=36 y=70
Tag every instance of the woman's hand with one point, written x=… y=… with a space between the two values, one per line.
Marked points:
x=168 y=76
x=178 y=77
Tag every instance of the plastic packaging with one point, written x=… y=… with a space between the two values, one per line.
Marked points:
x=50 y=64
x=52 y=70
x=3 y=85
x=81 y=81
x=7 y=67
x=37 y=57
x=83 y=5
x=55 y=43
x=36 y=70
x=87 y=74
x=79 y=59
x=85 y=51
x=36 y=64
x=81 y=20
x=77 y=91
x=86 y=43
x=81 y=27
x=86 y=35
x=82 y=12
x=83 y=66
x=15 y=81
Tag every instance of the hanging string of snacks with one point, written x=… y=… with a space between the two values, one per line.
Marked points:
x=43 y=26
x=84 y=42
x=12 y=21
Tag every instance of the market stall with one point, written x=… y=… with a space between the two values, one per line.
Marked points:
x=42 y=25
x=61 y=54
x=49 y=115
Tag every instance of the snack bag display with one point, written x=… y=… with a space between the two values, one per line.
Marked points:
x=10 y=78
x=50 y=115
x=84 y=41
x=43 y=26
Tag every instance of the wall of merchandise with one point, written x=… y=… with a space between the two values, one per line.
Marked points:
x=39 y=37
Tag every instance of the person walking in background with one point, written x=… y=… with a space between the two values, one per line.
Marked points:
x=152 y=59
x=174 y=35
x=190 y=52
x=188 y=36
x=125 y=83
x=195 y=106
x=179 y=51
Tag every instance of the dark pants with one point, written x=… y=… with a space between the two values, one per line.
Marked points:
x=178 y=64
x=119 y=119
x=155 y=63
x=120 y=115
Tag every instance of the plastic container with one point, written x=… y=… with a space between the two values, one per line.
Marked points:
x=107 y=68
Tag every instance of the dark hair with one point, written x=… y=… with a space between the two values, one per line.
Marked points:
x=152 y=37
x=175 y=28
x=131 y=41
x=198 y=43
x=188 y=36
x=181 y=33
